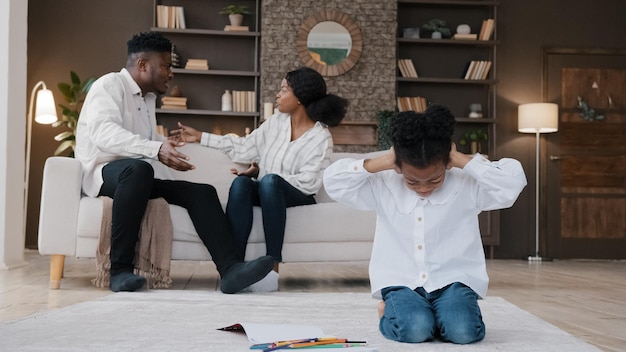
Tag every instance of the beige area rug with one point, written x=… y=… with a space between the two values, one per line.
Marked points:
x=171 y=320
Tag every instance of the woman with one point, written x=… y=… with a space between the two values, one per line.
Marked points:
x=287 y=154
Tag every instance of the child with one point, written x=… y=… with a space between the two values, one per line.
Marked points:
x=427 y=262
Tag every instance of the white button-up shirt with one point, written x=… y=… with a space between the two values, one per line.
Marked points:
x=115 y=122
x=299 y=162
x=427 y=242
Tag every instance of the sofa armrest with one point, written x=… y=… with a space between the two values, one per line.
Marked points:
x=60 y=199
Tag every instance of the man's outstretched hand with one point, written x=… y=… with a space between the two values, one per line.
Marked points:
x=171 y=157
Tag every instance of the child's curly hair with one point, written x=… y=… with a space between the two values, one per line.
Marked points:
x=422 y=139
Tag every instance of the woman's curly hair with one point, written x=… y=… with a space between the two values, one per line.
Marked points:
x=422 y=139
x=310 y=88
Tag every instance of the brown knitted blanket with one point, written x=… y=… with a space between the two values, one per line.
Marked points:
x=154 y=248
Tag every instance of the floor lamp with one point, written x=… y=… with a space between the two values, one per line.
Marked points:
x=45 y=113
x=537 y=118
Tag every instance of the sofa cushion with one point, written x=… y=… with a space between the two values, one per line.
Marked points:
x=324 y=222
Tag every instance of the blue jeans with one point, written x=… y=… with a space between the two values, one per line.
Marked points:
x=450 y=313
x=274 y=195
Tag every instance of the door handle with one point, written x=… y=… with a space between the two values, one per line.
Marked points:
x=556 y=157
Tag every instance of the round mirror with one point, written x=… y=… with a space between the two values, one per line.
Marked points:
x=329 y=42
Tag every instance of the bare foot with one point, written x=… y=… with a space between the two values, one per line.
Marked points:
x=381 y=309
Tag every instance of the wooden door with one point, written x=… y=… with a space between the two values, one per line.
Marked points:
x=586 y=163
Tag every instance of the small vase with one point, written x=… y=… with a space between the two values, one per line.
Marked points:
x=475 y=147
x=436 y=35
x=227 y=101
x=235 y=19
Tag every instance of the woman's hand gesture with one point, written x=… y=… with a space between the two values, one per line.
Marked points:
x=185 y=134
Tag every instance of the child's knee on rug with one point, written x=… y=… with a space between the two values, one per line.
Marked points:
x=462 y=332
x=408 y=328
x=407 y=317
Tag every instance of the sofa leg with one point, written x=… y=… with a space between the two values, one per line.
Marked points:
x=57 y=261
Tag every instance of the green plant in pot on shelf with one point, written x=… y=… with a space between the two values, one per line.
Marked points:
x=474 y=139
x=74 y=95
x=437 y=27
x=235 y=13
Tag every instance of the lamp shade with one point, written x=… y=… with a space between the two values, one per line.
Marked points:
x=45 y=110
x=538 y=118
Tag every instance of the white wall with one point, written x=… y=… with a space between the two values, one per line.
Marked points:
x=13 y=93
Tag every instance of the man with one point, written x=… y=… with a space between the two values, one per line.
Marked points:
x=116 y=141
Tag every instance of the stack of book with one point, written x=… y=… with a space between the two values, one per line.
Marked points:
x=486 y=30
x=244 y=101
x=478 y=70
x=230 y=28
x=179 y=103
x=406 y=68
x=197 y=64
x=468 y=36
x=162 y=130
x=417 y=104
x=170 y=17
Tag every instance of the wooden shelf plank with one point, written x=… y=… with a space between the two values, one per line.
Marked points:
x=446 y=80
x=217 y=72
x=447 y=42
x=354 y=134
x=207 y=32
x=452 y=2
x=475 y=120
x=206 y=112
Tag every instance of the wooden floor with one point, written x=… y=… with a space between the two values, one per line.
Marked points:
x=585 y=298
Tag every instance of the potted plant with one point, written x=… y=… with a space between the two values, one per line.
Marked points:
x=235 y=13
x=74 y=95
x=384 y=118
x=474 y=139
x=437 y=27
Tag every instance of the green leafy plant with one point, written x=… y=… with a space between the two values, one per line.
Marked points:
x=384 y=117
x=74 y=95
x=235 y=10
x=477 y=135
x=437 y=25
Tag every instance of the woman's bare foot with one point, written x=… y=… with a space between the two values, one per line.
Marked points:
x=381 y=309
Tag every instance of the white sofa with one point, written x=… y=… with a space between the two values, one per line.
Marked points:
x=69 y=222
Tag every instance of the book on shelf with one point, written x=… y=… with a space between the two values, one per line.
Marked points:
x=174 y=100
x=478 y=70
x=173 y=107
x=230 y=28
x=485 y=73
x=170 y=17
x=197 y=64
x=244 y=101
x=170 y=102
x=470 y=69
x=407 y=69
x=417 y=104
x=469 y=36
x=486 y=30
x=162 y=130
